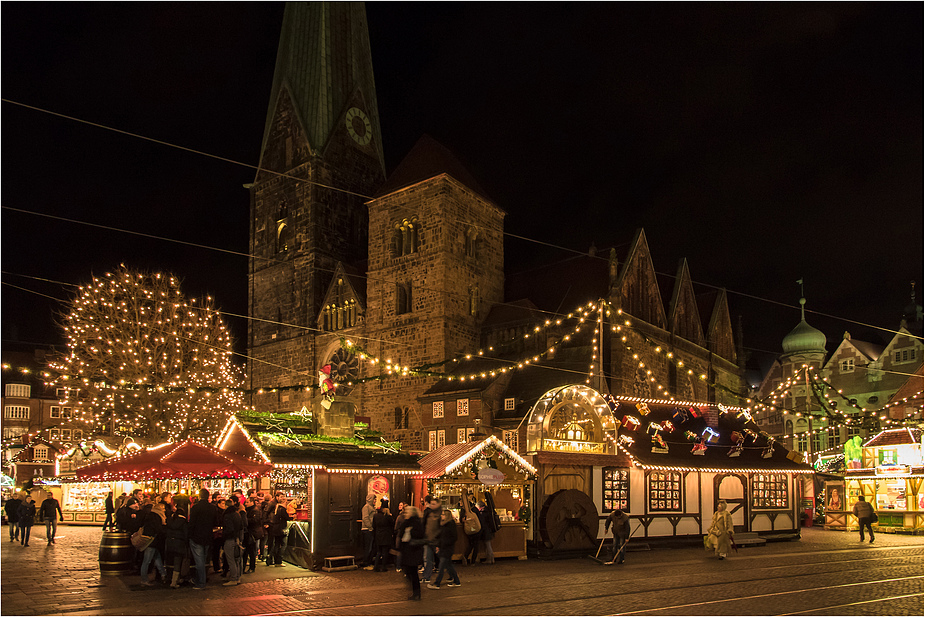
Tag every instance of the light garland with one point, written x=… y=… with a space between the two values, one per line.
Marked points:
x=498 y=445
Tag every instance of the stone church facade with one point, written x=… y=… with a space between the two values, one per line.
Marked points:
x=411 y=268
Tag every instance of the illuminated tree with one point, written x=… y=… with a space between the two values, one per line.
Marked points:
x=144 y=361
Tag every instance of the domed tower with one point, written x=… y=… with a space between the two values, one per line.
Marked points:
x=804 y=344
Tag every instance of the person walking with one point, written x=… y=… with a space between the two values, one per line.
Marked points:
x=154 y=526
x=177 y=543
x=26 y=519
x=51 y=513
x=411 y=545
x=865 y=514
x=232 y=534
x=110 y=512
x=383 y=523
x=446 y=544
x=201 y=520
x=619 y=522
x=431 y=521
x=722 y=529
x=12 y=508
x=276 y=530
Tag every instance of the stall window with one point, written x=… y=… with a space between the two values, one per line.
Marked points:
x=438 y=409
x=665 y=491
x=616 y=489
x=769 y=491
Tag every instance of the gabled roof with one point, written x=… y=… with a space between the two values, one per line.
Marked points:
x=447 y=459
x=895 y=437
x=871 y=351
x=912 y=389
x=429 y=159
x=716 y=457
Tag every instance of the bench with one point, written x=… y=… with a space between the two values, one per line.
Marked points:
x=748 y=539
x=339 y=564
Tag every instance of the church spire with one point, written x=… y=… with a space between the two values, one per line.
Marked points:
x=325 y=66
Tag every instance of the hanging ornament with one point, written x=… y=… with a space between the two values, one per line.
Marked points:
x=658 y=444
x=680 y=416
x=694 y=412
x=709 y=435
x=691 y=436
x=653 y=429
x=768 y=452
x=630 y=423
x=327 y=386
x=744 y=415
x=667 y=426
x=626 y=440
x=643 y=409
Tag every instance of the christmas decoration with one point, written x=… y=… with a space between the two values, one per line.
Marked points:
x=768 y=451
x=658 y=444
x=680 y=416
x=326 y=385
x=630 y=423
x=691 y=436
x=643 y=409
x=626 y=440
x=699 y=448
x=145 y=361
x=667 y=426
x=709 y=435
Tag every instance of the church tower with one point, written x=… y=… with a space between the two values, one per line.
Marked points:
x=320 y=160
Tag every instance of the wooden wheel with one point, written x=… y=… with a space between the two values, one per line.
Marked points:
x=569 y=520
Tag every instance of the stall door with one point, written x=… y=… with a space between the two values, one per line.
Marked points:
x=731 y=489
x=343 y=530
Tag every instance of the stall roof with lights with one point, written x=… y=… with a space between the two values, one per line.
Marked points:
x=699 y=420
x=187 y=459
x=293 y=448
x=895 y=437
x=447 y=459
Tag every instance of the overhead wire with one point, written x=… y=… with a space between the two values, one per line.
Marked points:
x=346 y=191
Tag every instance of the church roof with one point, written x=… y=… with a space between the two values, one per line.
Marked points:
x=324 y=62
x=428 y=159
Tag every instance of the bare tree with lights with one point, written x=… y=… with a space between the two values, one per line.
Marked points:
x=144 y=361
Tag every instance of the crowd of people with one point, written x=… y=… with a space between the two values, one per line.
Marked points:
x=180 y=540
x=21 y=513
x=424 y=542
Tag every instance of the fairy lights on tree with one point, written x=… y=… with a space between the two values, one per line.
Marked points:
x=145 y=361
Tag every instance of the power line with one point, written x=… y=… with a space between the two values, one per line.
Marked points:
x=363 y=196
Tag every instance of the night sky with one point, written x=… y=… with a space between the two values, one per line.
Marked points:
x=763 y=142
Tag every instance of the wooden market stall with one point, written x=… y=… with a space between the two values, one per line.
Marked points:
x=665 y=463
x=477 y=467
x=329 y=481
x=890 y=477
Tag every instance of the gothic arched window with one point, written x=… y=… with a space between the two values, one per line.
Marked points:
x=472 y=242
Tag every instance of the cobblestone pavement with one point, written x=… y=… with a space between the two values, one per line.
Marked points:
x=826 y=573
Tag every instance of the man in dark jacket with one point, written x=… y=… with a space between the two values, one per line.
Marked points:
x=201 y=518
x=431 y=521
x=276 y=530
x=50 y=512
x=446 y=544
x=110 y=511
x=12 y=506
x=383 y=524
x=865 y=513
x=621 y=534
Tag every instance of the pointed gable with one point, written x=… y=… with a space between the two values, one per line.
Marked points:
x=719 y=330
x=325 y=65
x=636 y=290
x=347 y=287
x=684 y=318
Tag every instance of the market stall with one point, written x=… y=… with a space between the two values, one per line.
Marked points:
x=472 y=469
x=667 y=464
x=890 y=477
x=326 y=478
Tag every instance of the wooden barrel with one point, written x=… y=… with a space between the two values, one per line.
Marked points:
x=117 y=555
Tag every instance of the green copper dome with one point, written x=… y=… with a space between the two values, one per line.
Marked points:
x=804 y=337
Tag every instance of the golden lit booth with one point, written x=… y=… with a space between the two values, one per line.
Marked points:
x=890 y=477
x=665 y=463
x=483 y=469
